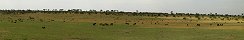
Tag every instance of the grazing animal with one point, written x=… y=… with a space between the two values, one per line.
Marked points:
x=134 y=24
x=220 y=24
x=102 y=24
x=238 y=22
x=43 y=27
x=105 y=24
x=166 y=24
x=198 y=24
x=31 y=18
x=94 y=24
x=111 y=23
x=127 y=23
x=52 y=20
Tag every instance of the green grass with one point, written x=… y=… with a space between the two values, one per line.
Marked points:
x=85 y=31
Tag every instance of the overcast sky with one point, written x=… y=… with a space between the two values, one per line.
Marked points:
x=192 y=6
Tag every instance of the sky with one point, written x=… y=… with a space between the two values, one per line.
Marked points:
x=189 y=6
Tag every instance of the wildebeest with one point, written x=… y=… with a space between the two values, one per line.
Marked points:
x=31 y=18
x=14 y=22
x=102 y=24
x=220 y=24
x=52 y=20
x=238 y=22
x=127 y=23
x=105 y=24
x=43 y=27
x=198 y=25
x=94 y=23
x=134 y=24
x=111 y=23
x=166 y=24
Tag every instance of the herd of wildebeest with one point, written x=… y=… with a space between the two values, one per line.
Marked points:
x=111 y=24
x=186 y=16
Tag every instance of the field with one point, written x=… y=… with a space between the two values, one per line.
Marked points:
x=115 y=27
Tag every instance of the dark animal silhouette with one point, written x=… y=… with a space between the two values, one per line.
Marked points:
x=134 y=24
x=198 y=25
x=166 y=24
x=43 y=27
x=220 y=24
x=102 y=24
x=94 y=23
x=127 y=23
x=111 y=23
x=52 y=20
x=105 y=24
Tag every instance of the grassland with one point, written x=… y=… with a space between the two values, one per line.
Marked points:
x=84 y=31
x=80 y=27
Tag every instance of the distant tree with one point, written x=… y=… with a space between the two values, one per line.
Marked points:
x=101 y=10
x=216 y=13
x=107 y=11
x=44 y=9
x=61 y=9
x=55 y=10
x=171 y=12
x=48 y=9
x=137 y=11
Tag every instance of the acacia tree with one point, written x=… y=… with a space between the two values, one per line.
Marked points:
x=242 y=14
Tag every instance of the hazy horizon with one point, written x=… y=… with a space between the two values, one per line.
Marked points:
x=188 y=6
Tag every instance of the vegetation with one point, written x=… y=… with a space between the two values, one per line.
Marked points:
x=76 y=24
